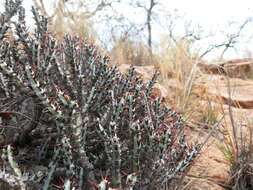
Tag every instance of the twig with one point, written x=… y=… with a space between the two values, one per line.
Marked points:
x=212 y=130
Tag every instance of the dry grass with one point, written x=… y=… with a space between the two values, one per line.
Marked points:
x=71 y=21
x=178 y=61
x=128 y=51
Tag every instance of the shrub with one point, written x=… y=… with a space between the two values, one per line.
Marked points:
x=105 y=123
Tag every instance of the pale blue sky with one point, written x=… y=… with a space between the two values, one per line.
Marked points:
x=214 y=15
x=208 y=12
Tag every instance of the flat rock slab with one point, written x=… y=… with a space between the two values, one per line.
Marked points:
x=243 y=124
x=200 y=184
x=232 y=67
x=241 y=90
x=211 y=167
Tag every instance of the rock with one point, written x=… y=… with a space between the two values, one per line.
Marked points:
x=243 y=60
x=238 y=67
x=211 y=68
x=217 y=87
x=234 y=67
x=200 y=184
x=210 y=165
x=242 y=122
x=146 y=72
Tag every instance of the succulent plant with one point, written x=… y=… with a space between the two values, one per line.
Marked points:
x=106 y=123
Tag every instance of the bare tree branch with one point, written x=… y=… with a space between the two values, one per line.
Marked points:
x=230 y=42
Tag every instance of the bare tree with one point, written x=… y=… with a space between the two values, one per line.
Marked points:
x=81 y=4
x=74 y=14
x=149 y=12
x=230 y=41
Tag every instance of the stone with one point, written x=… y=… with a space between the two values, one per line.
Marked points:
x=146 y=72
x=202 y=184
x=210 y=164
x=234 y=67
x=217 y=87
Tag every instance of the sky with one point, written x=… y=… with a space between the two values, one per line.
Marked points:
x=209 y=12
x=212 y=15
x=216 y=17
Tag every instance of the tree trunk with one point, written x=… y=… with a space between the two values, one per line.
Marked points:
x=149 y=14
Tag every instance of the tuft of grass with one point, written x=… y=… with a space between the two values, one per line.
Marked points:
x=237 y=147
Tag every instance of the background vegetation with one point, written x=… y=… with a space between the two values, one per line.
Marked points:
x=175 y=55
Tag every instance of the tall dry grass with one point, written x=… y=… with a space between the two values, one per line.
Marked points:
x=67 y=20
x=130 y=51
x=178 y=60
